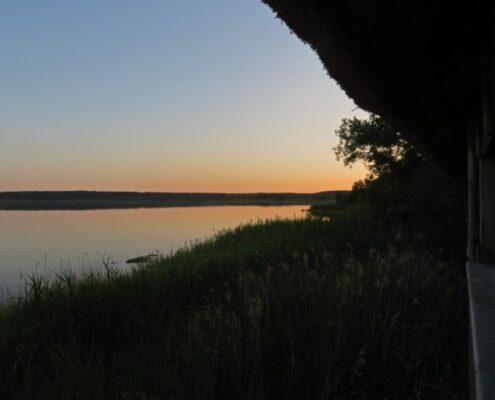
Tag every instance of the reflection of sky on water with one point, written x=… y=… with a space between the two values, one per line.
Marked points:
x=45 y=240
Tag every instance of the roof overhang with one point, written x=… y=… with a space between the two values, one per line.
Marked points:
x=417 y=64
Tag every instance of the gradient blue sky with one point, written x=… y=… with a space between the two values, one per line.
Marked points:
x=163 y=95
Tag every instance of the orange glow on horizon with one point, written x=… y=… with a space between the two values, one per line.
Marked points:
x=315 y=179
x=308 y=186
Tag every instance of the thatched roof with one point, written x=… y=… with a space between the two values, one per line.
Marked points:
x=416 y=63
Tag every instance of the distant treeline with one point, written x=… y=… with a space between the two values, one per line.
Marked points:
x=81 y=200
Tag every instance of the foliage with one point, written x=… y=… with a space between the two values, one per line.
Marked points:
x=407 y=195
x=374 y=142
x=302 y=309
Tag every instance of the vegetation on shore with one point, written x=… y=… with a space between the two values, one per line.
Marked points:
x=281 y=309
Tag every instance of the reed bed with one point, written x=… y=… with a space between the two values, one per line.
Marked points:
x=284 y=309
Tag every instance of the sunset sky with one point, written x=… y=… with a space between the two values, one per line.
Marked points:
x=160 y=95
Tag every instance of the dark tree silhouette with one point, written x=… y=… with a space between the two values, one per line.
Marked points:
x=403 y=191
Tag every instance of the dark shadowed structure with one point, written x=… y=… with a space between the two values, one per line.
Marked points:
x=427 y=67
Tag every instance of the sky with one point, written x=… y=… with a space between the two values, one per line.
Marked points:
x=154 y=95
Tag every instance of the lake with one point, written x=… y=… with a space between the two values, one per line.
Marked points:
x=44 y=241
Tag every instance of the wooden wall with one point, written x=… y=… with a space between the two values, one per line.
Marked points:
x=481 y=171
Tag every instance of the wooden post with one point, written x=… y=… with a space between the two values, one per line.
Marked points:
x=484 y=141
x=486 y=250
x=473 y=193
x=481 y=169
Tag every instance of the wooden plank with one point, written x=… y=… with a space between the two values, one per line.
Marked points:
x=481 y=283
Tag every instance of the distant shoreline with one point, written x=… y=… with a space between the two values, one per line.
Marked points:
x=94 y=200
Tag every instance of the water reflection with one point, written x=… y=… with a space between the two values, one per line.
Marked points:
x=47 y=239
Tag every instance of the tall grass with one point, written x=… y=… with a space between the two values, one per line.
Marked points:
x=273 y=310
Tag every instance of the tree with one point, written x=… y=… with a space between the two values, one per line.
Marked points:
x=402 y=191
x=374 y=142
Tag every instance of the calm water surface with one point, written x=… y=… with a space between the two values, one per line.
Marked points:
x=44 y=241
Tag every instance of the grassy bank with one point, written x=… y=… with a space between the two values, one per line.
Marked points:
x=275 y=310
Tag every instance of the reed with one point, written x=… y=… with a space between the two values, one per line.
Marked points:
x=284 y=309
